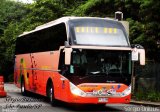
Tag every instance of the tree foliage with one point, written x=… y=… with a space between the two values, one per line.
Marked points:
x=143 y=17
x=11 y=15
x=16 y=17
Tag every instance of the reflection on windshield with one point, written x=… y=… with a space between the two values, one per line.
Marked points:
x=98 y=66
x=94 y=62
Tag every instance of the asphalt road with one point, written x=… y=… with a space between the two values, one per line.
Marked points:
x=15 y=102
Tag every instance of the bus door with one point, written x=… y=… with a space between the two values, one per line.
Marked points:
x=63 y=72
x=33 y=77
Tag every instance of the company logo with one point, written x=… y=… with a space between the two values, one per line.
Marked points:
x=104 y=92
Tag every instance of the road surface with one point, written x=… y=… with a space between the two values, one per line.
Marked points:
x=15 y=102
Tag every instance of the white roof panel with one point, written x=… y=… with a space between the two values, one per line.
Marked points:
x=60 y=20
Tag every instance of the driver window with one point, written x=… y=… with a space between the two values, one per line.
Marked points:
x=79 y=62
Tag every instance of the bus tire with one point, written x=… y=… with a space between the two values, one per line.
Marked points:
x=50 y=93
x=23 y=88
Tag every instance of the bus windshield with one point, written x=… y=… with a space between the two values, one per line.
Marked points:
x=98 y=32
x=100 y=66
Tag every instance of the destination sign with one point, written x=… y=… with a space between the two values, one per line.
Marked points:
x=100 y=30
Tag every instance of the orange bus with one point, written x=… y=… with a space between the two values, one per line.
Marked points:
x=83 y=60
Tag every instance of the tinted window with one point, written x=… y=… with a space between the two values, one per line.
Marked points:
x=44 y=40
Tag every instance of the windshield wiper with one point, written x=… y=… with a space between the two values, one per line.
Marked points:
x=92 y=74
x=97 y=72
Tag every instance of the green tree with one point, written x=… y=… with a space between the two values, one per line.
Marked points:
x=43 y=11
x=11 y=14
x=142 y=15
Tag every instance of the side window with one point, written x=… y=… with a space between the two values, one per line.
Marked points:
x=51 y=38
x=44 y=40
x=22 y=45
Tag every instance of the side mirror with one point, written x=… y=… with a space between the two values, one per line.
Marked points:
x=139 y=54
x=135 y=56
x=68 y=52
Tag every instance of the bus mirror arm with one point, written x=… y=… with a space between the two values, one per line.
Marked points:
x=138 y=53
x=68 y=52
x=66 y=44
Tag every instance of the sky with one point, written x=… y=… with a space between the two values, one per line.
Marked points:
x=25 y=1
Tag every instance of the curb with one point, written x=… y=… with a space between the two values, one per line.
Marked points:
x=13 y=90
x=155 y=104
x=10 y=87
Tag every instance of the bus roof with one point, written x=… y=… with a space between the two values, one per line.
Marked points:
x=60 y=20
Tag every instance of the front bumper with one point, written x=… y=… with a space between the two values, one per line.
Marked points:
x=96 y=100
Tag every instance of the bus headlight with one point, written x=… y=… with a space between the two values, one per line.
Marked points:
x=76 y=91
x=127 y=91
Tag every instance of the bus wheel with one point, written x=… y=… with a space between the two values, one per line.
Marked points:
x=50 y=93
x=23 y=90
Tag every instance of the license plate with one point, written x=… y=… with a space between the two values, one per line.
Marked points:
x=102 y=99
